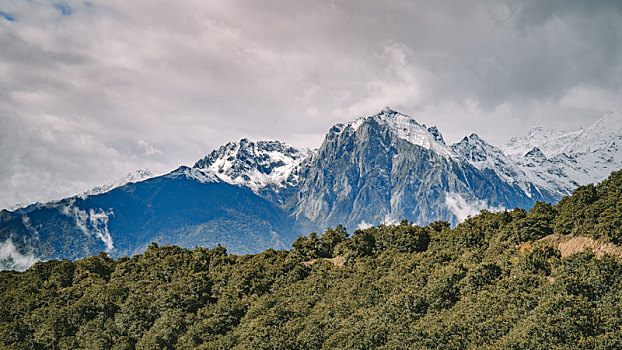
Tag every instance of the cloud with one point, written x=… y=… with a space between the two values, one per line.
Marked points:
x=363 y=225
x=29 y=227
x=11 y=259
x=390 y=220
x=93 y=222
x=399 y=83
x=93 y=90
x=462 y=208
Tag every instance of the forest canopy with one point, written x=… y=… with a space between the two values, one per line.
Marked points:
x=492 y=282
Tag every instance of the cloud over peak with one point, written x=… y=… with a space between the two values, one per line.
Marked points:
x=93 y=90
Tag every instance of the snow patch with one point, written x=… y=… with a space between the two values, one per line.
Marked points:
x=133 y=177
x=407 y=128
x=11 y=259
x=199 y=175
x=255 y=164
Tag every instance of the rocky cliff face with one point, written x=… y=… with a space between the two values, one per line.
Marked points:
x=376 y=170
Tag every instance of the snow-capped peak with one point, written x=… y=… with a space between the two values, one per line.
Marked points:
x=551 y=142
x=194 y=174
x=483 y=155
x=571 y=158
x=598 y=136
x=255 y=164
x=477 y=151
x=133 y=177
x=406 y=128
x=609 y=122
x=531 y=180
x=536 y=154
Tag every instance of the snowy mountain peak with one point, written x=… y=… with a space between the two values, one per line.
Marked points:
x=404 y=127
x=603 y=134
x=551 y=142
x=255 y=164
x=485 y=156
x=194 y=174
x=610 y=122
x=134 y=176
x=475 y=138
x=477 y=151
x=561 y=160
x=437 y=134
x=535 y=153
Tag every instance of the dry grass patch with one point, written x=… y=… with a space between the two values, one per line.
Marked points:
x=569 y=244
x=337 y=261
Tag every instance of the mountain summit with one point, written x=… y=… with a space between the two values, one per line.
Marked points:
x=573 y=158
x=255 y=164
x=252 y=195
x=406 y=128
x=386 y=167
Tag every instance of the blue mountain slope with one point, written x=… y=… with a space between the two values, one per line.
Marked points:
x=166 y=209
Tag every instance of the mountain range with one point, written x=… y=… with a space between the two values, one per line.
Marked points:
x=250 y=196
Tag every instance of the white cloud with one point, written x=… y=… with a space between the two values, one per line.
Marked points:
x=91 y=223
x=29 y=227
x=11 y=259
x=398 y=86
x=390 y=220
x=462 y=208
x=363 y=225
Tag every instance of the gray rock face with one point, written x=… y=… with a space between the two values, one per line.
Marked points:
x=366 y=174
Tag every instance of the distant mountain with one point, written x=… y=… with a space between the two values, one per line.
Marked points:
x=135 y=176
x=551 y=142
x=250 y=196
x=488 y=158
x=571 y=158
x=185 y=207
x=255 y=164
x=269 y=168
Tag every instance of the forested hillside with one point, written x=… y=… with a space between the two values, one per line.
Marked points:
x=492 y=282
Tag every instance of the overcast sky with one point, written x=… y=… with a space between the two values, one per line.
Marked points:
x=90 y=91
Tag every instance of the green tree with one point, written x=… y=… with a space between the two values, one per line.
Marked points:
x=329 y=240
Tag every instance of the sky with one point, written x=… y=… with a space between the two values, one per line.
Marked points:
x=92 y=90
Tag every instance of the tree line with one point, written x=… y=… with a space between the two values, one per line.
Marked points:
x=488 y=283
